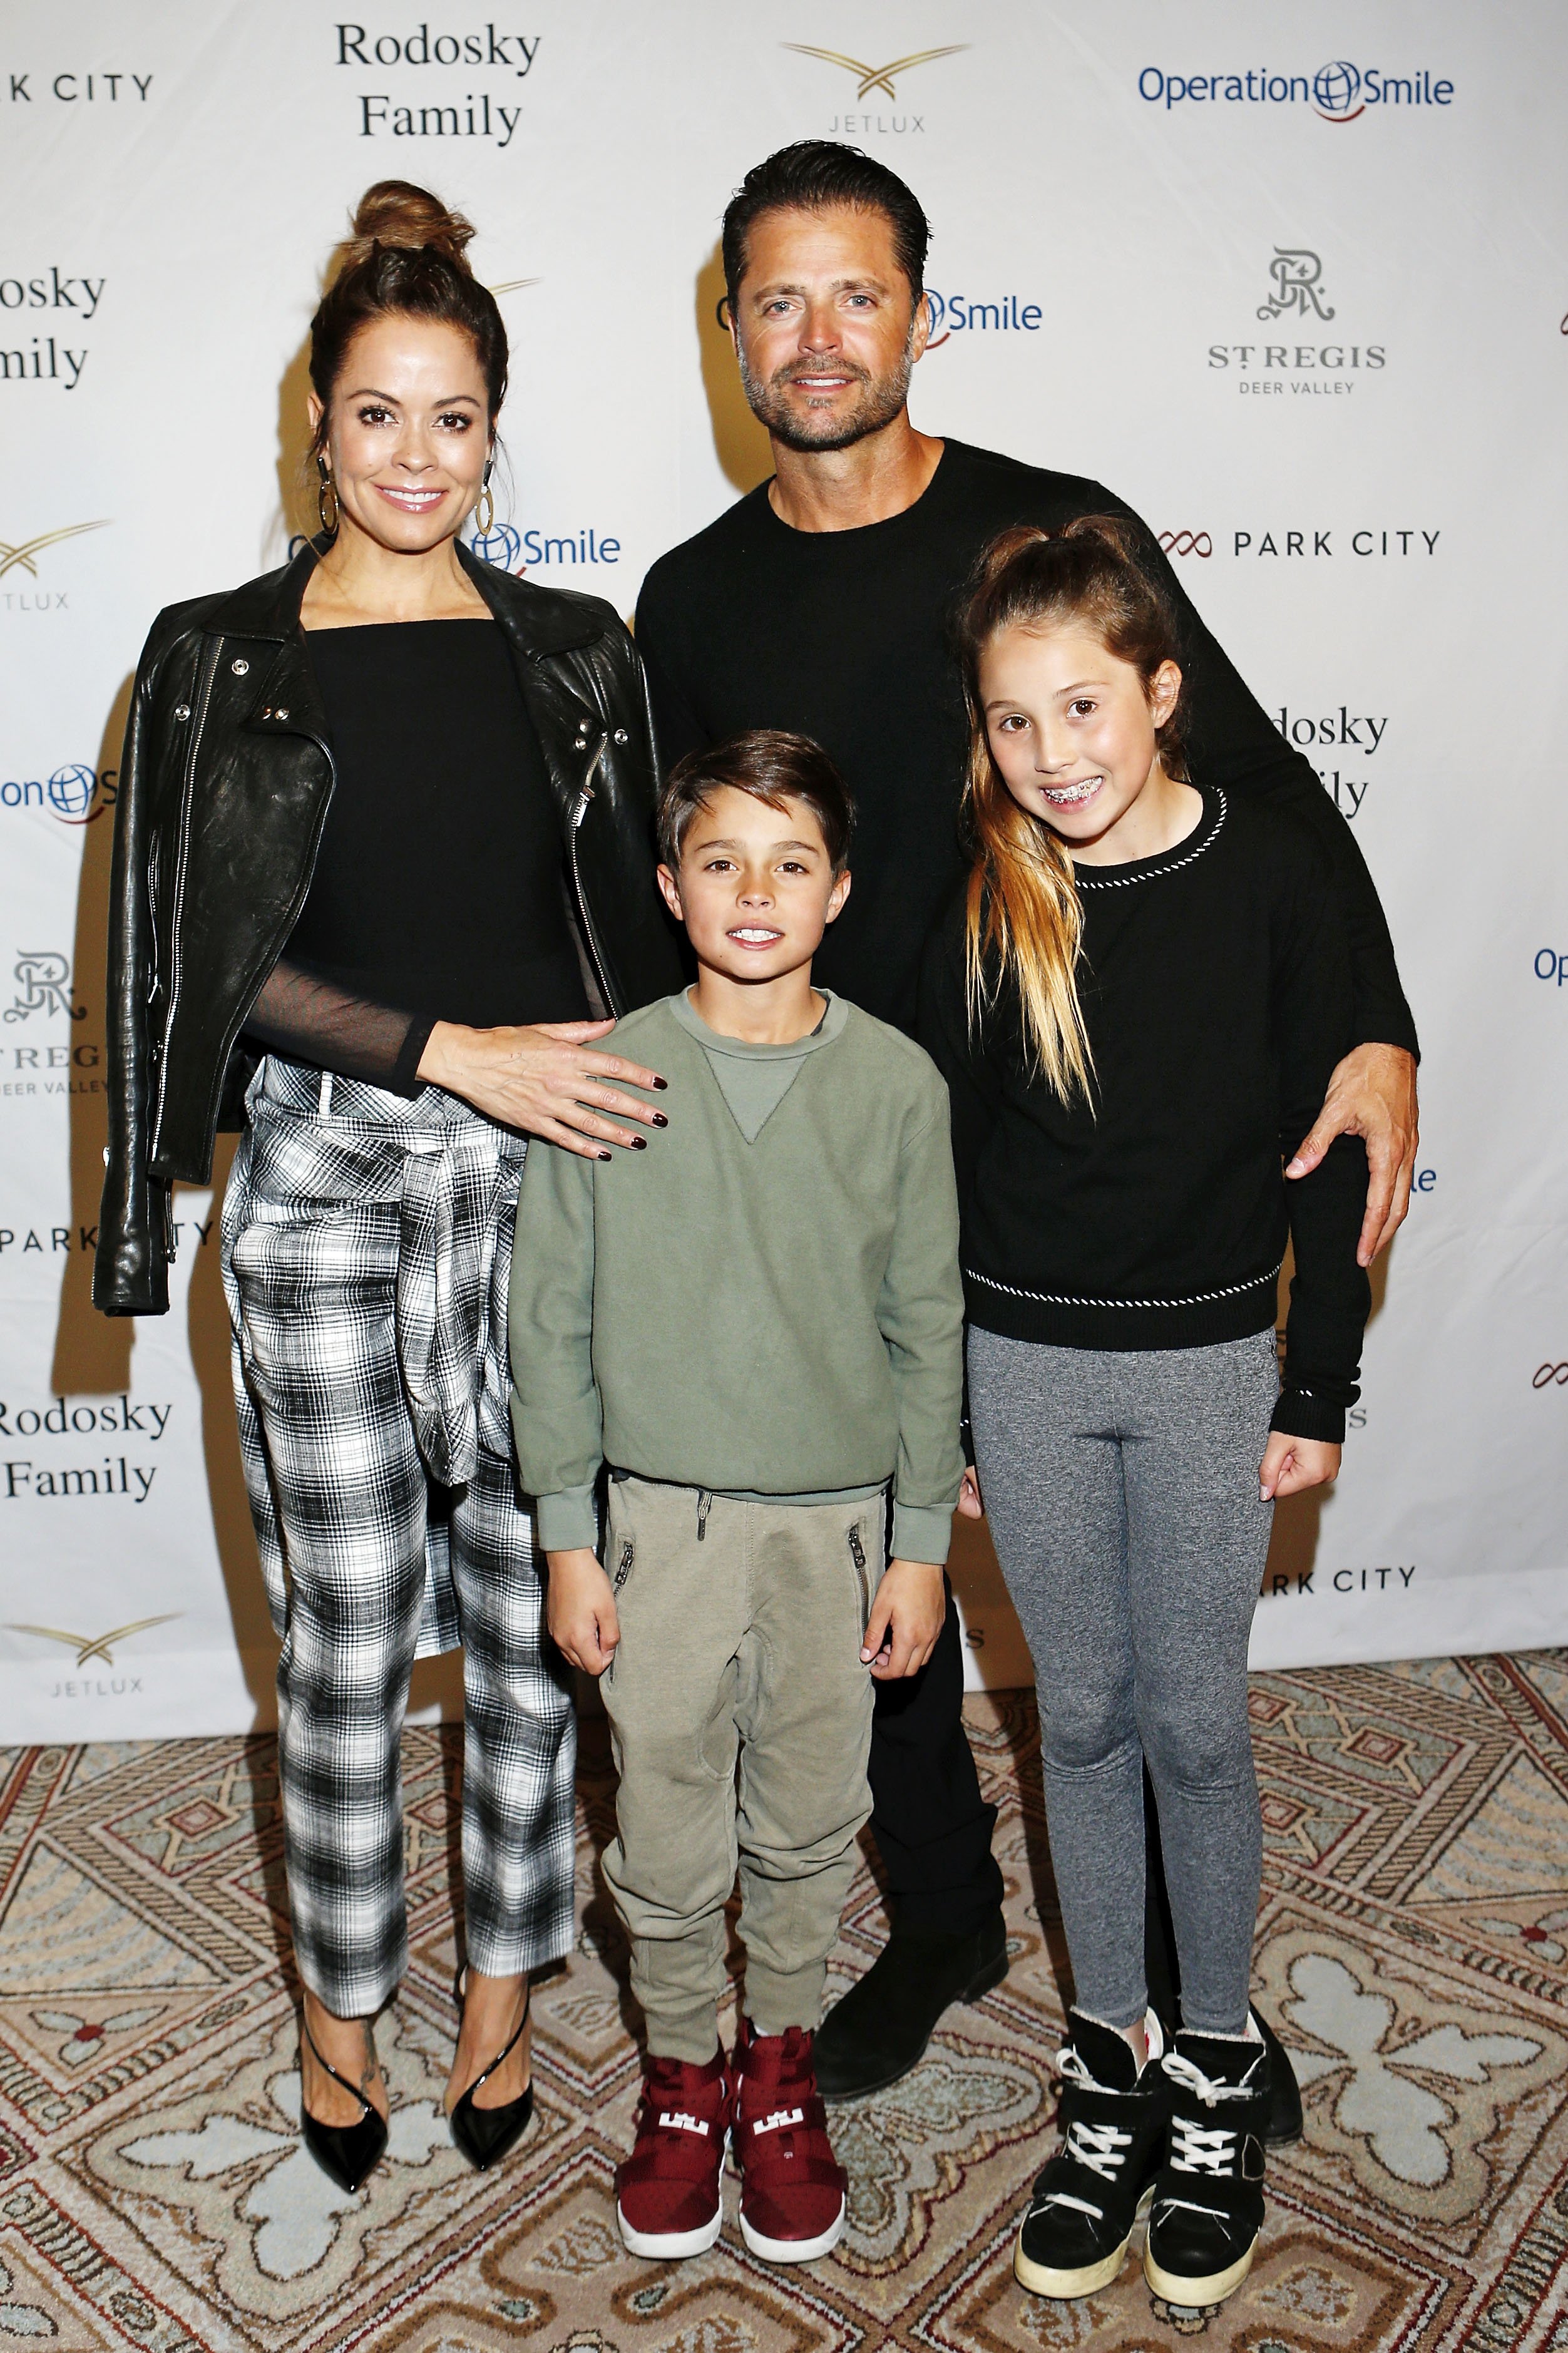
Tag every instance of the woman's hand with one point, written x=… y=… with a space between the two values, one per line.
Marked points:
x=1290 y=1464
x=580 y=1610
x=906 y=1618
x=545 y=1079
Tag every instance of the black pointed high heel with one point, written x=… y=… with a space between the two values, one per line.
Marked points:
x=345 y=2153
x=487 y=2135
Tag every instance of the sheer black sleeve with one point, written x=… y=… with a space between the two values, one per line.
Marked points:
x=313 y=1020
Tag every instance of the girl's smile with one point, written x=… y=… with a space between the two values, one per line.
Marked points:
x=1074 y=733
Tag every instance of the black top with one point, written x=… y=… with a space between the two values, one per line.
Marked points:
x=1215 y=988
x=841 y=635
x=439 y=890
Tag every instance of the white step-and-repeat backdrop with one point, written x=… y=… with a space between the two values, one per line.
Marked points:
x=1290 y=279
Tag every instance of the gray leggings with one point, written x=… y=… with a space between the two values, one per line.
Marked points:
x=1122 y=1490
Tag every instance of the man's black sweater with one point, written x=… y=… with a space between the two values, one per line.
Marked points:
x=842 y=636
x=1215 y=987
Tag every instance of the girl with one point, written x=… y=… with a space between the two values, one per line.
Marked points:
x=1142 y=994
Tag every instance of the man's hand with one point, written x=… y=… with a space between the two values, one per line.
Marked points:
x=906 y=1618
x=1371 y=1094
x=970 y=1507
x=580 y=1610
x=1292 y=1464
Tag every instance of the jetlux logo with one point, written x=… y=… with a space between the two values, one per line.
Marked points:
x=96 y=1646
x=22 y=556
x=870 y=77
x=476 y=114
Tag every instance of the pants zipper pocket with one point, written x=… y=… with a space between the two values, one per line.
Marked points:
x=624 y=1567
x=857 y=1554
x=704 y=1506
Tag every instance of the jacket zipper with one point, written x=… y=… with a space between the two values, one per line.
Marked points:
x=579 y=811
x=204 y=691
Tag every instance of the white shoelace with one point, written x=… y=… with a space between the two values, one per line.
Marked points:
x=1208 y=2149
x=1101 y=2148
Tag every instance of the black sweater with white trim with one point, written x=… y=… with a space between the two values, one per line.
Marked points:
x=1216 y=989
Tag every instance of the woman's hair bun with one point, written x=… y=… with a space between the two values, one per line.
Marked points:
x=396 y=212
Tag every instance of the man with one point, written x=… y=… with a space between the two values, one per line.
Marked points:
x=818 y=603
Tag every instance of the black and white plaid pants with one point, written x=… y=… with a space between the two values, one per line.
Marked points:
x=366 y=1251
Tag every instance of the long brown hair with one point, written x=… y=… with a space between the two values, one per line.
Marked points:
x=406 y=258
x=1023 y=918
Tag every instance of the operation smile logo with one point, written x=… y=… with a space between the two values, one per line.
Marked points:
x=472 y=113
x=1338 y=92
x=1308 y=368
x=870 y=77
x=73 y=795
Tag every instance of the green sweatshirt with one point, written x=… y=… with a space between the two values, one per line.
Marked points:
x=766 y=1301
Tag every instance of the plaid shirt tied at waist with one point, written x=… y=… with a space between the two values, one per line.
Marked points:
x=453 y=1177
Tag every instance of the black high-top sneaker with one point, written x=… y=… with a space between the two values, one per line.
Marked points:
x=1074 y=2238
x=1208 y=2199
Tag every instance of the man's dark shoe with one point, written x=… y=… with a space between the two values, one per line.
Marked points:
x=1283 y=2122
x=880 y=2028
x=1113 y=2121
x=1207 y=2208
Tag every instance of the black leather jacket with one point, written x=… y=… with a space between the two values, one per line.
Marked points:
x=223 y=786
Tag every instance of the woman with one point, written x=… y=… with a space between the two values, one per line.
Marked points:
x=385 y=813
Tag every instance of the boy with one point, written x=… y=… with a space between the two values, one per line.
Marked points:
x=758 y=1326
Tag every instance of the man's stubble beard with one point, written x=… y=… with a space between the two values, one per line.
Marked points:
x=882 y=398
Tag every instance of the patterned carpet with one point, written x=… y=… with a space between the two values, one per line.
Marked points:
x=1413 y=1947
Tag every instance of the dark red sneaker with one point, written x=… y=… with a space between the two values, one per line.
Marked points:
x=791 y=2186
x=668 y=2197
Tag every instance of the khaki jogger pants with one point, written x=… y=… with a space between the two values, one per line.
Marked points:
x=741 y=1719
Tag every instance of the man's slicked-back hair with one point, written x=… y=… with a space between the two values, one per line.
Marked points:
x=811 y=175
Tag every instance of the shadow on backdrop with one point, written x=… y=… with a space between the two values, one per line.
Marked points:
x=740 y=443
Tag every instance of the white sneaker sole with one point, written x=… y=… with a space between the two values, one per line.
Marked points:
x=793 y=2251
x=669 y=2246
x=1213 y=2288
x=1042 y=2279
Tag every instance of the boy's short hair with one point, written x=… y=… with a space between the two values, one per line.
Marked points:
x=775 y=768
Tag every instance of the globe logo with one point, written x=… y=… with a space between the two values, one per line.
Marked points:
x=500 y=545
x=71 y=794
x=938 y=312
x=1335 y=88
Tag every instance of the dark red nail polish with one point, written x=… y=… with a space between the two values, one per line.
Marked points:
x=605 y=1155
x=639 y=1144
x=659 y=1120
x=661 y=1083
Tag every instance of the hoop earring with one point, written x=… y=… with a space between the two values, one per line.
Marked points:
x=484 y=523
x=325 y=485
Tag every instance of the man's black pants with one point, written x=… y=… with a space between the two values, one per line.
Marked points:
x=931 y=1826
